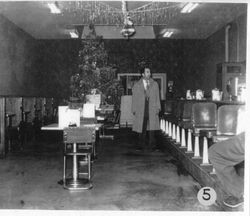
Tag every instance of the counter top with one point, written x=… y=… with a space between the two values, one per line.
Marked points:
x=209 y=100
x=55 y=126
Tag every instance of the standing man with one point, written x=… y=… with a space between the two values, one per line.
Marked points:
x=145 y=108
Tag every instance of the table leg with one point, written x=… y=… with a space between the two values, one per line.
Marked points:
x=75 y=168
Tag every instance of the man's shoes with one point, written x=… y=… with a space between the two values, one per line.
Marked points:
x=155 y=149
x=138 y=149
x=233 y=202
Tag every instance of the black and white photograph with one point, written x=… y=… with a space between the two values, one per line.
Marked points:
x=124 y=107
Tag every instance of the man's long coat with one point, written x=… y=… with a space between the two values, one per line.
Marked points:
x=138 y=103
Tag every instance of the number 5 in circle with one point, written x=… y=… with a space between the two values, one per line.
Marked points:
x=207 y=196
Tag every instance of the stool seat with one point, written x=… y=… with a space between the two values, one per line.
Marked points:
x=200 y=130
x=186 y=124
x=218 y=138
x=78 y=153
x=81 y=148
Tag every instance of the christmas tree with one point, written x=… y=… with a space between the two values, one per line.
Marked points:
x=95 y=75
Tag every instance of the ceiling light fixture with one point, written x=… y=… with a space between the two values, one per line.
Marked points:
x=73 y=34
x=54 y=8
x=189 y=7
x=168 y=34
x=128 y=28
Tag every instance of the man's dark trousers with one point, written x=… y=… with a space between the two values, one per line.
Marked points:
x=147 y=146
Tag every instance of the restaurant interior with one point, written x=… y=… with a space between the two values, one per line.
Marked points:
x=67 y=72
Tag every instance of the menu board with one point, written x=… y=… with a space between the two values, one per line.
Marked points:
x=68 y=117
x=94 y=99
x=88 y=110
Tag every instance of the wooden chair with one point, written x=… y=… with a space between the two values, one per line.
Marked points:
x=78 y=144
x=112 y=122
x=12 y=132
x=12 y=119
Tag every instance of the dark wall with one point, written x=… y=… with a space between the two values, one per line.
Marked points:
x=57 y=61
x=30 y=67
x=214 y=50
x=179 y=59
x=17 y=54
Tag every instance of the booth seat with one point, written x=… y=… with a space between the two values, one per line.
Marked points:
x=185 y=116
x=203 y=117
x=230 y=122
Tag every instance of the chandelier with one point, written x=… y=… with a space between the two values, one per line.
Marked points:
x=104 y=13
x=128 y=28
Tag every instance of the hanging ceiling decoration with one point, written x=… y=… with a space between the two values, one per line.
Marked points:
x=104 y=13
x=128 y=28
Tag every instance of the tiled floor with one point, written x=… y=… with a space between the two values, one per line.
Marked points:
x=123 y=180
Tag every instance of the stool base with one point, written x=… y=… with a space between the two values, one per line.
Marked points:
x=79 y=184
